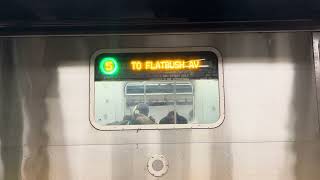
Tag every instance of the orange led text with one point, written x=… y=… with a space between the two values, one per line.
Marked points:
x=165 y=65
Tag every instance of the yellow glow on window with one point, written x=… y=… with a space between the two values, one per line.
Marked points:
x=165 y=65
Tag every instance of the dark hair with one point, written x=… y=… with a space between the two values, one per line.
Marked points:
x=171 y=113
x=143 y=109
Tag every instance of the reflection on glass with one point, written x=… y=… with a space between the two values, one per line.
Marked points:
x=183 y=88
x=160 y=88
x=135 y=89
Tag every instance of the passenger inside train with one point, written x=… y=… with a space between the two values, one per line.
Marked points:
x=173 y=118
x=139 y=116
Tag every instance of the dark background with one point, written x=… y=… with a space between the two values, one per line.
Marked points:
x=85 y=16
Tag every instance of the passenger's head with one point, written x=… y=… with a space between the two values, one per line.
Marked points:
x=141 y=109
x=171 y=116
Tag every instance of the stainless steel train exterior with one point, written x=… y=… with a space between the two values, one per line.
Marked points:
x=270 y=130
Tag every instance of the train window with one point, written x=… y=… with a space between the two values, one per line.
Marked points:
x=161 y=98
x=144 y=89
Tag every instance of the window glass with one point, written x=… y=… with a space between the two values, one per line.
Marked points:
x=156 y=88
x=159 y=88
x=135 y=89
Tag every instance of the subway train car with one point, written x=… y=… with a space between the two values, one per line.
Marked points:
x=166 y=90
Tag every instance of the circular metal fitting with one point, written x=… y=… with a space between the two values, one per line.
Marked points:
x=158 y=165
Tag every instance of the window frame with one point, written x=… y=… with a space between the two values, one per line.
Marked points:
x=155 y=126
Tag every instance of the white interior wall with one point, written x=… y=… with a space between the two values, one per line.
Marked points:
x=109 y=101
x=206 y=101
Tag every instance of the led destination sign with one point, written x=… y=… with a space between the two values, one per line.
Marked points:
x=165 y=65
x=161 y=66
